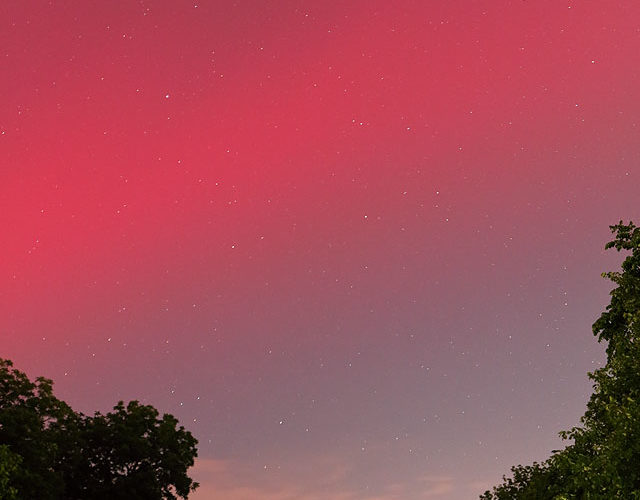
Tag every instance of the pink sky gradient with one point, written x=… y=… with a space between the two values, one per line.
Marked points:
x=355 y=247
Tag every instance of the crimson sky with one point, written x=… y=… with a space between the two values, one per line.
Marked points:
x=354 y=247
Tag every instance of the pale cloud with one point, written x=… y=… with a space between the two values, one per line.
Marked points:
x=234 y=480
x=317 y=478
x=436 y=486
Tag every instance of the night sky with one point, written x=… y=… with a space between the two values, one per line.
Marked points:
x=354 y=247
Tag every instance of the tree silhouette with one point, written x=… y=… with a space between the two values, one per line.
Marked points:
x=603 y=460
x=48 y=451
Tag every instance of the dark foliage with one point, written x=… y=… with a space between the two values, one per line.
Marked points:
x=603 y=460
x=50 y=452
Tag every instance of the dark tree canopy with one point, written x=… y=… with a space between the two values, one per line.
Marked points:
x=50 y=452
x=603 y=460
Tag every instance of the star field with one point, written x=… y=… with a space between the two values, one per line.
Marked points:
x=354 y=247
